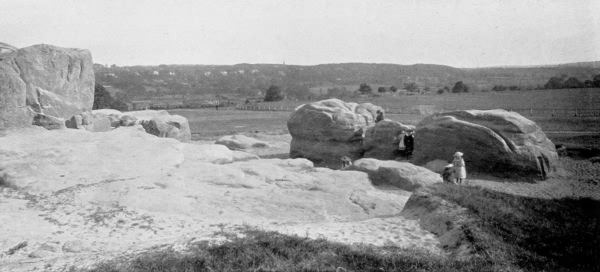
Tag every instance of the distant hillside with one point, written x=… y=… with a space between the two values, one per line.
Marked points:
x=250 y=79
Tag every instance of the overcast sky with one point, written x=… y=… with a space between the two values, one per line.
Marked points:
x=457 y=33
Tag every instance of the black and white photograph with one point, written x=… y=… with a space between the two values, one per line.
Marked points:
x=314 y=135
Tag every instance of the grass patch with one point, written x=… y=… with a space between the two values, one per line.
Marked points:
x=532 y=233
x=271 y=251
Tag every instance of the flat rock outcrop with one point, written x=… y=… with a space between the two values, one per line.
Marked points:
x=403 y=175
x=327 y=130
x=381 y=140
x=240 y=142
x=95 y=195
x=496 y=142
x=44 y=79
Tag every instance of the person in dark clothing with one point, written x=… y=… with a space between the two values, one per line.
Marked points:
x=379 y=116
x=409 y=141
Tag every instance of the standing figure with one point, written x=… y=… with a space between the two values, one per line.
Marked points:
x=447 y=174
x=459 y=167
x=346 y=162
x=379 y=116
x=409 y=141
x=401 y=144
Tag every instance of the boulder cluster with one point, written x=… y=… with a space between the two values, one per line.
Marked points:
x=327 y=130
x=53 y=87
x=495 y=142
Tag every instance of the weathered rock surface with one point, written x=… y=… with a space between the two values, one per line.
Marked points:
x=436 y=165
x=94 y=122
x=381 y=139
x=159 y=123
x=125 y=190
x=240 y=142
x=403 y=175
x=327 y=130
x=48 y=122
x=44 y=79
x=495 y=141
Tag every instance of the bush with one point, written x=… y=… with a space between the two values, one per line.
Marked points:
x=274 y=93
x=103 y=100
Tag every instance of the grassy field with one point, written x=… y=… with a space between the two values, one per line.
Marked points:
x=536 y=99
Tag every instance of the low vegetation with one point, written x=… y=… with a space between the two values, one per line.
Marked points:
x=271 y=251
x=531 y=233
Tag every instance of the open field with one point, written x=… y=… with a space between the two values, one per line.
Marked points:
x=536 y=99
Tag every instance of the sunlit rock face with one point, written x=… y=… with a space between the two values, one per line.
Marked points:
x=327 y=130
x=44 y=79
x=494 y=142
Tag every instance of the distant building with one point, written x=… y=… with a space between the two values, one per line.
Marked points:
x=254 y=71
x=156 y=73
x=207 y=73
x=241 y=72
x=172 y=73
x=281 y=73
x=224 y=73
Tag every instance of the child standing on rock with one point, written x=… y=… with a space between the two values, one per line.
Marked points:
x=459 y=167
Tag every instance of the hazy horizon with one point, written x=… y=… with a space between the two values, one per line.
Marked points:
x=460 y=33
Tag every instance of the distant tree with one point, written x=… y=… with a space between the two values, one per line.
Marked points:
x=588 y=84
x=381 y=90
x=427 y=89
x=596 y=81
x=441 y=91
x=554 y=83
x=460 y=87
x=411 y=86
x=513 y=88
x=365 y=89
x=499 y=88
x=573 y=83
x=103 y=100
x=274 y=93
x=393 y=89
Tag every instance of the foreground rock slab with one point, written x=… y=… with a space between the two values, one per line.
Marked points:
x=497 y=142
x=75 y=197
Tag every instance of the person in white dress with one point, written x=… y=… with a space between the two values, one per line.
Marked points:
x=460 y=171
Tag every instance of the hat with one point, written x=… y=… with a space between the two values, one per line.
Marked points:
x=458 y=154
x=449 y=166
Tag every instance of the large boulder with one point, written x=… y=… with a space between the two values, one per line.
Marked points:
x=403 y=175
x=327 y=130
x=44 y=79
x=497 y=142
x=381 y=140
x=159 y=123
x=237 y=142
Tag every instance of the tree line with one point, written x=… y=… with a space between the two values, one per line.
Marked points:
x=564 y=82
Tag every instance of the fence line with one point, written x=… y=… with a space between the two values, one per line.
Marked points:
x=540 y=112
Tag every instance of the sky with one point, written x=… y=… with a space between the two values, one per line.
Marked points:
x=460 y=33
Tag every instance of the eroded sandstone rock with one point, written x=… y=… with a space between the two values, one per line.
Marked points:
x=403 y=175
x=44 y=79
x=497 y=142
x=327 y=130
x=237 y=142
